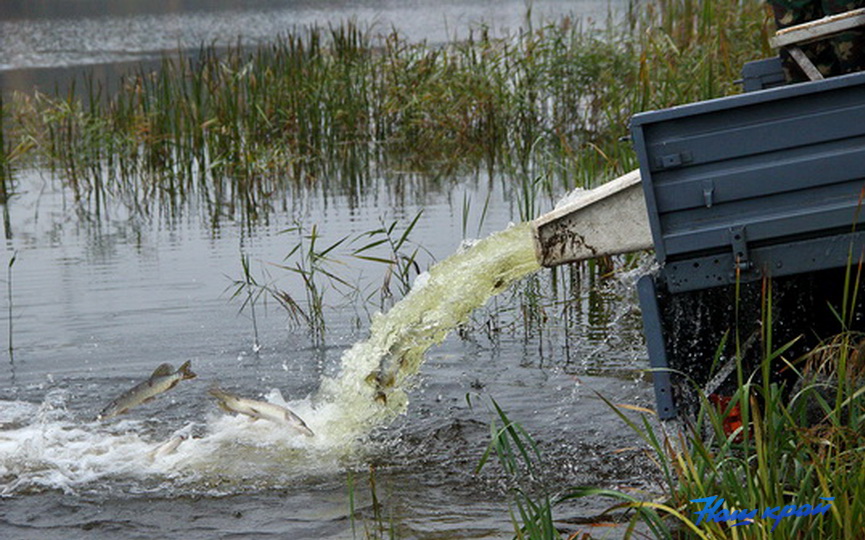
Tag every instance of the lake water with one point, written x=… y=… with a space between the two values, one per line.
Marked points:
x=99 y=300
x=41 y=40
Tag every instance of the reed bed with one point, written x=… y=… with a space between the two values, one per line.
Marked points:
x=778 y=460
x=333 y=107
x=797 y=452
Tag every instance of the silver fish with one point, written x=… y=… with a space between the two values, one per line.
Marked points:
x=170 y=445
x=260 y=409
x=164 y=378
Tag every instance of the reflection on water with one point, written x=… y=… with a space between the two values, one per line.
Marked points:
x=81 y=277
x=100 y=301
x=39 y=41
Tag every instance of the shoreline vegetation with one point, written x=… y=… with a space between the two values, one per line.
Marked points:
x=334 y=107
x=793 y=467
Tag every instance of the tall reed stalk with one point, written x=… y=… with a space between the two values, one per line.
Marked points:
x=11 y=349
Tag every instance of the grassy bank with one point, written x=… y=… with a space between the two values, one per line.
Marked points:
x=773 y=462
x=332 y=107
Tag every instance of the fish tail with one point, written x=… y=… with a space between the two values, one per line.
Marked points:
x=185 y=370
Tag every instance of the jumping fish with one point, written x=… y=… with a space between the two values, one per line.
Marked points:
x=259 y=409
x=162 y=380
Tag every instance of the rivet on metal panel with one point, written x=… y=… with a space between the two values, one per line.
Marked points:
x=671 y=160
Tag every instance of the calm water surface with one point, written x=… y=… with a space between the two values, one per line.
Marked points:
x=99 y=300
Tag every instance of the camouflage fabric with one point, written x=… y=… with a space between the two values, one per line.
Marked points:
x=837 y=55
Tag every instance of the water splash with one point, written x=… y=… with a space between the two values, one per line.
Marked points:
x=372 y=383
x=45 y=448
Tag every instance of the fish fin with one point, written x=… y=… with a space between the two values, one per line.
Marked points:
x=185 y=370
x=162 y=371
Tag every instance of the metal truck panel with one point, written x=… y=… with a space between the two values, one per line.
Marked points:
x=777 y=165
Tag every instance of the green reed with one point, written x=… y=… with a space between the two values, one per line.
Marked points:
x=315 y=274
x=794 y=446
x=312 y=263
x=377 y=526
x=402 y=265
x=519 y=457
x=251 y=291
x=795 y=451
x=9 y=302
x=236 y=126
x=798 y=446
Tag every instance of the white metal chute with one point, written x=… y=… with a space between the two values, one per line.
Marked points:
x=608 y=220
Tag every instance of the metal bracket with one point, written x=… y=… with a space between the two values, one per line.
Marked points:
x=708 y=192
x=672 y=161
x=742 y=261
x=805 y=63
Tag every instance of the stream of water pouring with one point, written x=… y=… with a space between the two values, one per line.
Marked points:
x=45 y=447
x=371 y=385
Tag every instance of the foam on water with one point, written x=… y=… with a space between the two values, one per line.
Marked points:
x=44 y=447
x=52 y=451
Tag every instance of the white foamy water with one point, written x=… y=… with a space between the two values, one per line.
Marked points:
x=49 y=450
x=44 y=447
